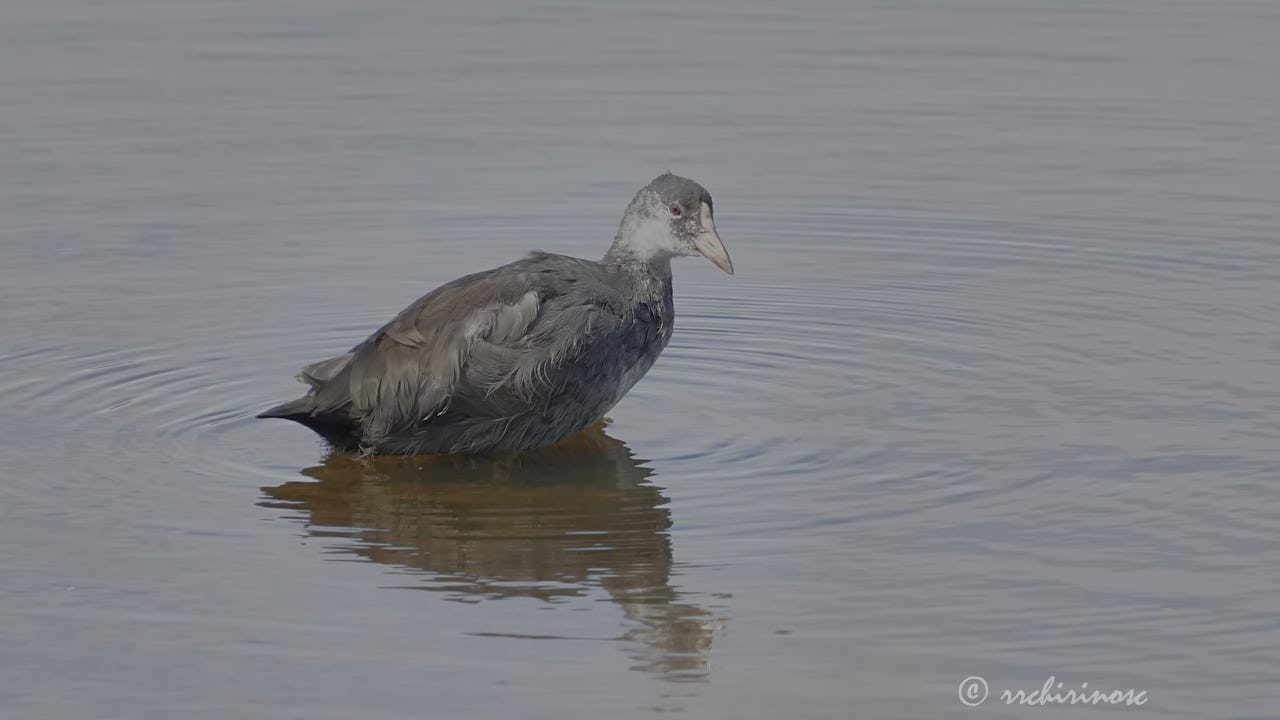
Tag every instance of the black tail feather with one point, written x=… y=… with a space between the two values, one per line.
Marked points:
x=289 y=411
x=339 y=428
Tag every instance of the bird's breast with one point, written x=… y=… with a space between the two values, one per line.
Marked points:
x=647 y=334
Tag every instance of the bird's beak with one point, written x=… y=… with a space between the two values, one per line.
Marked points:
x=707 y=241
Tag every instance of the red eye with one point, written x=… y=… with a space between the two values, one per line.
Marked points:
x=675 y=209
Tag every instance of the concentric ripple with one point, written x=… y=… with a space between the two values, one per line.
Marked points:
x=868 y=389
x=911 y=343
x=951 y=337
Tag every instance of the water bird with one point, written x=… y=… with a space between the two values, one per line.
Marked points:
x=517 y=357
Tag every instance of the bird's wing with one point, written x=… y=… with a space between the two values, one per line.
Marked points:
x=498 y=334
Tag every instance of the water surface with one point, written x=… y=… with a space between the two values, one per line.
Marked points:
x=993 y=392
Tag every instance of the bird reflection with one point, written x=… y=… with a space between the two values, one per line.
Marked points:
x=552 y=524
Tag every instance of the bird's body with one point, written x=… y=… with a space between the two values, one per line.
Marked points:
x=516 y=357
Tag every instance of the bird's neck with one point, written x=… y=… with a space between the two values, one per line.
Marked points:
x=647 y=279
x=625 y=260
x=641 y=248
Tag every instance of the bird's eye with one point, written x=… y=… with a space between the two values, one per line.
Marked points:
x=675 y=209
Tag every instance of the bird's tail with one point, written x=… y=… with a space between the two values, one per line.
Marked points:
x=339 y=428
x=292 y=410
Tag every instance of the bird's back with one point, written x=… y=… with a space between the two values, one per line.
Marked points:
x=512 y=358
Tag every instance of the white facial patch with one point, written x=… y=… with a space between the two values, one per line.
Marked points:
x=649 y=235
x=708 y=222
x=707 y=242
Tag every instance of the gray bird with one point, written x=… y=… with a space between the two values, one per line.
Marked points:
x=520 y=356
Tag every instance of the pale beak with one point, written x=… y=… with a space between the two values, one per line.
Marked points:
x=707 y=242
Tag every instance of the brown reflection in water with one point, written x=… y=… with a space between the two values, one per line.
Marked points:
x=550 y=523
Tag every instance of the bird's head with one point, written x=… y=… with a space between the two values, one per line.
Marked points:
x=672 y=216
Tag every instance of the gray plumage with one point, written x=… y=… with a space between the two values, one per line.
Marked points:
x=520 y=356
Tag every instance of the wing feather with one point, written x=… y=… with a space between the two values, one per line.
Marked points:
x=492 y=340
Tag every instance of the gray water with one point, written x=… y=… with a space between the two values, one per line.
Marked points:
x=994 y=391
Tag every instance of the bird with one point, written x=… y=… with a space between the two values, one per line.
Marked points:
x=520 y=356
